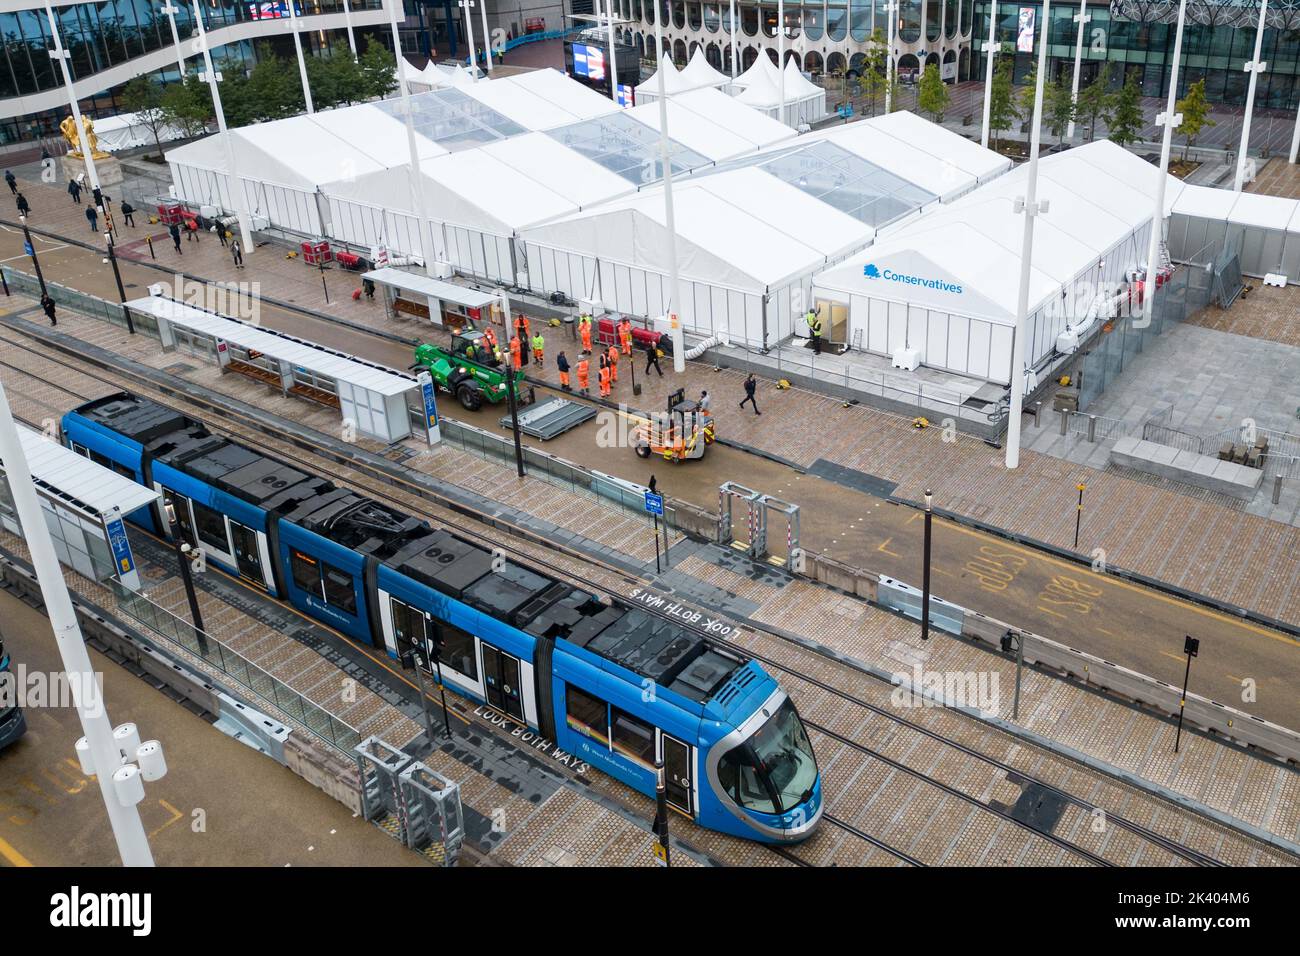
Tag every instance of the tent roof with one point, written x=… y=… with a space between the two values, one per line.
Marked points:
x=673 y=82
x=1205 y=202
x=762 y=66
x=920 y=133
x=380 y=136
x=726 y=112
x=939 y=176
x=699 y=73
x=541 y=99
x=797 y=86
x=693 y=130
x=761 y=91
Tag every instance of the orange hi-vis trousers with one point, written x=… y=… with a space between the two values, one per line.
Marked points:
x=625 y=337
x=584 y=378
x=613 y=365
x=604 y=381
x=564 y=379
x=586 y=338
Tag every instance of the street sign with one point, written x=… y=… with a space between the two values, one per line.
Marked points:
x=654 y=504
x=661 y=854
x=1191 y=646
x=430 y=407
x=120 y=547
x=27 y=248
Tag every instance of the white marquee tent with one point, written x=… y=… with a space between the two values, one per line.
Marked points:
x=713 y=124
x=696 y=75
x=947 y=283
x=126 y=131
x=1265 y=230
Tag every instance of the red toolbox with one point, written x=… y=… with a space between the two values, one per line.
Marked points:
x=316 y=253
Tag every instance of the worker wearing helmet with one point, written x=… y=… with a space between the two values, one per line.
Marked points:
x=490 y=338
x=584 y=329
x=612 y=357
x=584 y=375
x=539 y=345
x=522 y=330
x=625 y=334
x=516 y=361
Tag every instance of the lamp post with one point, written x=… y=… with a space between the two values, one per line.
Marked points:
x=487 y=36
x=297 y=48
x=990 y=52
x=347 y=20
x=780 y=56
x=613 y=69
x=1078 y=515
x=925 y=573
x=98 y=750
x=468 y=17
x=1080 y=18
x=62 y=55
x=511 y=386
x=892 y=8
x=735 y=62
x=674 y=323
x=30 y=248
x=171 y=10
x=1191 y=647
x=1255 y=67
x=212 y=78
x=1031 y=207
x=413 y=153
x=117 y=276
x=662 y=851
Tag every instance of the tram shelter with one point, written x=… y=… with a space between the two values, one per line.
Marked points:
x=371 y=396
x=440 y=302
x=83 y=502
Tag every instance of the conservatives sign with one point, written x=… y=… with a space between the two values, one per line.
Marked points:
x=872 y=272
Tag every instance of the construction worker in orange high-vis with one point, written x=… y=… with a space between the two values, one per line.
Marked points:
x=584 y=376
x=490 y=339
x=584 y=329
x=604 y=378
x=612 y=356
x=625 y=334
x=515 y=358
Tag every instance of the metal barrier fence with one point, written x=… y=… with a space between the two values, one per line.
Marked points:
x=163 y=624
x=91 y=305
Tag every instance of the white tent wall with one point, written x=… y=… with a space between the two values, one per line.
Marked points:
x=1264 y=229
x=289 y=208
x=365 y=225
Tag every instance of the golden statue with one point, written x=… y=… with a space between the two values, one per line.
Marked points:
x=69 y=129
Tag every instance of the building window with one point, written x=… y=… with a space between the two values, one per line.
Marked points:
x=632 y=737
x=587 y=714
x=339 y=590
x=306 y=572
x=211 y=526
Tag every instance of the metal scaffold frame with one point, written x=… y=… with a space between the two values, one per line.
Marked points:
x=790 y=510
x=728 y=493
x=416 y=805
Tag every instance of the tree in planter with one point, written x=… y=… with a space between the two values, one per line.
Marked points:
x=1028 y=97
x=1095 y=101
x=871 y=84
x=932 y=95
x=143 y=97
x=378 y=71
x=1125 y=120
x=335 y=79
x=188 y=105
x=1196 y=115
x=1059 y=108
x=1002 y=106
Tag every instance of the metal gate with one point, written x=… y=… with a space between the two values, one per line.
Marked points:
x=791 y=559
x=755 y=543
x=410 y=802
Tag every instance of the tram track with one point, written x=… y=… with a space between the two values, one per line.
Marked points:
x=224 y=421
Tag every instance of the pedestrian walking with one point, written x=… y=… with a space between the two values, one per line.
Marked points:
x=13 y=183
x=368 y=287
x=175 y=231
x=74 y=190
x=750 y=387
x=705 y=402
x=236 y=252
x=584 y=375
x=48 y=305
x=612 y=355
x=220 y=230
x=562 y=363
x=191 y=230
x=127 y=212
x=539 y=346
x=92 y=217
x=23 y=208
x=652 y=359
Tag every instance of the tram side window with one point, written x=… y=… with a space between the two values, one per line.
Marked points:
x=339 y=590
x=211 y=526
x=587 y=714
x=410 y=627
x=181 y=511
x=306 y=572
x=458 y=651
x=739 y=777
x=632 y=737
x=81 y=450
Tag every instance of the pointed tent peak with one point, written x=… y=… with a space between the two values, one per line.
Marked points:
x=461 y=77
x=761 y=67
x=699 y=72
x=796 y=84
x=761 y=92
x=672 y=78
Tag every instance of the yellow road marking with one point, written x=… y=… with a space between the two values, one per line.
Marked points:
x=1177 y=657
x=1119 y=582
x=12 y=855
x=176 y=815
x=1053 y=613
x=884 y=547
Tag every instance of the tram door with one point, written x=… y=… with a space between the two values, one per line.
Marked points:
x=501 y=682
x=247 y=556
x=677 y=775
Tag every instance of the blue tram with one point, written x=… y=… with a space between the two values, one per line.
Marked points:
x=612 y=684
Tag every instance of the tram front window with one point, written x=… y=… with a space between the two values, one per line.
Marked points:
x=774 y=770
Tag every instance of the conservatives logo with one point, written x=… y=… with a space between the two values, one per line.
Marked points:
x=871 y=272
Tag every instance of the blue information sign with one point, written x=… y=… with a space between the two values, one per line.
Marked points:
x=654 y=504
x=430 y=404
x=119 y=545
x=27 y=248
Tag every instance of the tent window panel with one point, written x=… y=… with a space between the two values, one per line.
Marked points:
x=638 y=281
x=492 y=252
x=1000 y=353
x=936 y=344
x=878 y=327
x=736 y=315
x=959 y=344
x=622 y=276
x=545 y=259
x=478 y=250
x=754 y=317
x=977 y=361
x=918 y=321
x=654 y=294
x=718 y=308
x=897 y=327
x=607 y=284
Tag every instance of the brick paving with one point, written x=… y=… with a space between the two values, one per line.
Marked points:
x=1267 y=313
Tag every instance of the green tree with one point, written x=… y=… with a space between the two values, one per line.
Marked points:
x=1095 y=101
x=932 y=96
x=188 y=105
x=1059 y=108
x=378 y=70
x=1196 y=115
x=1002 y=106
x=1028 y=96
x=1125 y=120
x=335 y=79
x=143 y=97
x=871 y=83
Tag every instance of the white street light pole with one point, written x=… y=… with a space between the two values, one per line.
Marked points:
x=1254 y=68
x=1170 y=121
x=780 y=54
x=735 y=64
x=892 y=9
x=1080 y=18
x=674 y=322
x=468 y=18
x=990 y=49
x=613 y=69
x=60 y=54
x=297 y=46
x=413 y=154
x=104 y=754
x=171 y=10
x=212 y=78
x=487 y=35
x=347 y=19
x=1295 y=137
x=1031 y=207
